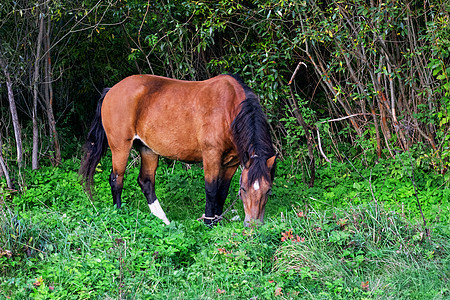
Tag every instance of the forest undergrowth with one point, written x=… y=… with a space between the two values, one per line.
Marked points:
x=357 y=233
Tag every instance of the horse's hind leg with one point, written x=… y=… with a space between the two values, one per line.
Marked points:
x=146 y=180
x=119 y=161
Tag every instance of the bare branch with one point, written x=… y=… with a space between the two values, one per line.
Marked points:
x=320 y=146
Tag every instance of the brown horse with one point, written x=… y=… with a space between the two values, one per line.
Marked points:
x=218 y=122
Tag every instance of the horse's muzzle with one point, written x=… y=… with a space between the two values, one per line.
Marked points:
x=248 y=222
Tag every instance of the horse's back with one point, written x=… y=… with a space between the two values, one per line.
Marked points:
x=177 y=119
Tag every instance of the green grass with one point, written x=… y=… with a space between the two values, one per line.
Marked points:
x=338 y=246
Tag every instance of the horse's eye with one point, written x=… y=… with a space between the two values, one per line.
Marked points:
x=269 y=192
x=243 y=190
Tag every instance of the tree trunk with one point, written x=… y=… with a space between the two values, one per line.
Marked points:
x=302 y=123
x=35 y=152
x=56 y=158
x=13 y=110
x=4 y=167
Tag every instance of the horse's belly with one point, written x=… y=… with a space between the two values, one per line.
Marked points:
x=177 y=148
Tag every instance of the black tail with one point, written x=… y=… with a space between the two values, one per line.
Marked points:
x=95 y=147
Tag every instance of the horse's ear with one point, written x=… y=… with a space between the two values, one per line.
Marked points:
x=271 y=161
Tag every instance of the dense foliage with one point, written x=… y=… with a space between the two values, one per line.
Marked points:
x=380 y=68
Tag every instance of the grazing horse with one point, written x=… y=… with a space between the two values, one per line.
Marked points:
x=218 y=121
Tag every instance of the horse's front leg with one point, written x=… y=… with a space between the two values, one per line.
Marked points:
x=217 y=183
x=211 y=191
x=212 y=168
x=223 y=187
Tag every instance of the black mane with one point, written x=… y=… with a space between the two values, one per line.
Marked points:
x=251 y=135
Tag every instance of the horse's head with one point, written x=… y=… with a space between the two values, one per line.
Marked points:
x=256 y=188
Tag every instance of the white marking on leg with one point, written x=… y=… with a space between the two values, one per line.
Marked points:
x=156 y=209
x=256 y=185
